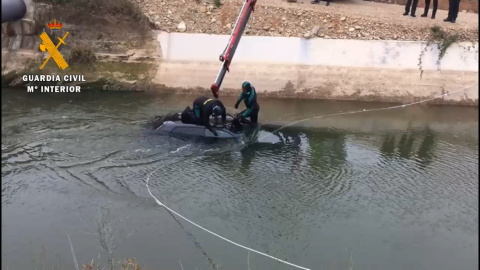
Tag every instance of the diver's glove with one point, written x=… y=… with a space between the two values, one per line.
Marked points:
x=236 y=105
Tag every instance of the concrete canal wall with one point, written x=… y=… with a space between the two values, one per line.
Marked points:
x=321 y=68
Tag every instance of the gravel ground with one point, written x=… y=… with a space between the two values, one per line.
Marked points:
x=348 y=19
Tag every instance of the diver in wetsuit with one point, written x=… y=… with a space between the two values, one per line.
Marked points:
x=249 y=96
x=203 y=107
x=188 y=116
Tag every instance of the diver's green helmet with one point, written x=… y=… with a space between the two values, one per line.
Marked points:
x=247 y=86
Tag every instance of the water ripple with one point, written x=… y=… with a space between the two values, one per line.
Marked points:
x=286 y=194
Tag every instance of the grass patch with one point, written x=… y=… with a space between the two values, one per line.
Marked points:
x=83 y=56
x=132 y=71
x=217 y=3
x=104 y=7
x=7 y=78
x=81 y=11
x=96 y=75
x=126 y=264
x=442 y=39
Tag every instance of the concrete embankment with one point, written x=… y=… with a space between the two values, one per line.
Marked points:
x=322 y=68
x=285 y=67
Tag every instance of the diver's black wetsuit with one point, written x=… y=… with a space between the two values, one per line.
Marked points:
x=250 y=99
x=203 y=108
x=188 y=116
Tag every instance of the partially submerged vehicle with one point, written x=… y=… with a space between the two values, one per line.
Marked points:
x=172 y=125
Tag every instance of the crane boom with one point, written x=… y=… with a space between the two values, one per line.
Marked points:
x=227 y=55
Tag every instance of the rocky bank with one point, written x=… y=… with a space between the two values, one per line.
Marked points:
x=279 y=18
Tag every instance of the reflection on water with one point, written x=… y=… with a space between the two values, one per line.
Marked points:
x=388 y=146
x=327 y=149
x=405 y=145
x=320 y=148
x=399 y=190
x=424 y=152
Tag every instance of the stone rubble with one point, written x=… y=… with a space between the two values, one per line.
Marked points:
x=182 y=27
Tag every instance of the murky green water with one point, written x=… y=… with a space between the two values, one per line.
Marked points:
x=393 y=189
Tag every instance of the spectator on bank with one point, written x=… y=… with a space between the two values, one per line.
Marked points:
x=427 y=5
x=318 y=1
x=453 y=7
x=414 y=8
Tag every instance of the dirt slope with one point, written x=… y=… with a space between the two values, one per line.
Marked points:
x=341 y=20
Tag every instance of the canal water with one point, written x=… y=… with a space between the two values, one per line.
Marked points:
x=394 y=189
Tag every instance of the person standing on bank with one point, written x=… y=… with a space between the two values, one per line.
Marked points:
x=427 y=5
x=414 y=7
x=453 y=7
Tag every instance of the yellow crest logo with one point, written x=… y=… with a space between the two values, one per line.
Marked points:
x=47 y=45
